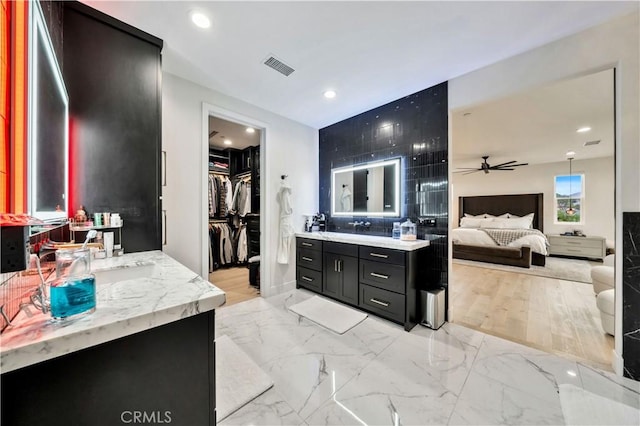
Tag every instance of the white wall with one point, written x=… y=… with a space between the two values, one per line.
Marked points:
x=599 y=191
x=290 y=148
x=613 y=44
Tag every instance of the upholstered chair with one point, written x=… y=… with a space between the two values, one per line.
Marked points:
x=602 y=276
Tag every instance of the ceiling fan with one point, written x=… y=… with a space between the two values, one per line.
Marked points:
x=486 y=167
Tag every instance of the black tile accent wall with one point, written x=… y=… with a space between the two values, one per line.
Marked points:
x=418 y=135
x=631 y=294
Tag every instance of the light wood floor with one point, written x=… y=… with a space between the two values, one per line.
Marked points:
x=234 y=282
x=546 y=313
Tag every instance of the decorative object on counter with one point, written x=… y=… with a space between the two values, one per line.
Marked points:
x=108 y=243
x=408 y=231
x=286 y=227
x=81 y=215
x=97 y=219
x=74 y=290
x=395 y=233
x=308 y=223
x=116 y=220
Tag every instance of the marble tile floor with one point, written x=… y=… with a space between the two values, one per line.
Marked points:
x=378 y=374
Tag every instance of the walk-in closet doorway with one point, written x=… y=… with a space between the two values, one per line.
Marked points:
x=233 y=203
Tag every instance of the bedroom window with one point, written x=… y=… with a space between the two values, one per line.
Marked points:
x=569 y=198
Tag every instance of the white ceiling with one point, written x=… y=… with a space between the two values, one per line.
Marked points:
x=369 y=52
x=538 y=126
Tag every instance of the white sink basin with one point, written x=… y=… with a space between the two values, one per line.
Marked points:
x=124 y=273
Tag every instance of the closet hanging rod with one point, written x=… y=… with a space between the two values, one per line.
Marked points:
x=217 y=220
x=243 y=174
x=215 y=172
x=222 y=157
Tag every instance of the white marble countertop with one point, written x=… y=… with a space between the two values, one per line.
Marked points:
x=170 y=292
x=367 y=240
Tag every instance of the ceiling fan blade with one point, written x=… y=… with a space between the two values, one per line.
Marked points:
x=468 y=168
x=500 y=169
x=521 y=164
x=472 y=171
x=503 y=164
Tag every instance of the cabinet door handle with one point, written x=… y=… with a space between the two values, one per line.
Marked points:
x=335 y=265
x=307 y=278
x=378 y=302
x=164 y=168
x=307 y=244
x=308 y=259
x=164 y=227
x=383 y=256
x=373 y=274
x=340 y=265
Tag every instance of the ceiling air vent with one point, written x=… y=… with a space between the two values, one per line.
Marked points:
x=591 y=143
x=278 y=65
x=213 y=133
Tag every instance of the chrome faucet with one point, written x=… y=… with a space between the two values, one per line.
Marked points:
x=360 y=223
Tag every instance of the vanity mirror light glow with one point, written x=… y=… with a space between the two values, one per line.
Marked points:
x=371 y=189
x=48 y=125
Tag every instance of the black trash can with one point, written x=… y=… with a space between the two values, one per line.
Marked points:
x=254 y=271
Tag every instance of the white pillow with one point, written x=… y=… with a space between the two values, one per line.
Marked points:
x=473 y=222
x=502 y=223
x=479 y=216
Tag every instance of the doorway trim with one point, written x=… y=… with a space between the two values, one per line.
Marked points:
x=229 y=115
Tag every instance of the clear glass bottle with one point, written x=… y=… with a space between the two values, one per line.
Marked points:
x=408 y=231
x=395 y=233
x=73 y=291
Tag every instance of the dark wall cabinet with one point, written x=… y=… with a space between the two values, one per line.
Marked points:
x=385 y=282
x=113 y=76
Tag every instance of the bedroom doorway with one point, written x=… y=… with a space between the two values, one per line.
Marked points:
x=551 y=307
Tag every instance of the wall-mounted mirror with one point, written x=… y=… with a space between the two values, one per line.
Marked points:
x=371 y=189
x=48 y=125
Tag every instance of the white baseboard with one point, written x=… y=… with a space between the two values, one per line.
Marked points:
x=273 y=291
x=617 y=362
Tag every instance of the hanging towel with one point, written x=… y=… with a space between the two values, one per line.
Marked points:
x=286 y=226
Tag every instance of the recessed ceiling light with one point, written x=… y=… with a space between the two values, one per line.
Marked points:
x=571 y=153
x=200 y=19
x=583 y=129
x=227 y=142
x=250 y=130
x=330 y=94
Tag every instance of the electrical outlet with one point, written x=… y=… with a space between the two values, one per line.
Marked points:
x=429 y=222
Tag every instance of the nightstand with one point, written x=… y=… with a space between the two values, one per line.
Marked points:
x=589 y=247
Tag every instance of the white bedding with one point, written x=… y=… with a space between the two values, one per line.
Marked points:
x=477 y=237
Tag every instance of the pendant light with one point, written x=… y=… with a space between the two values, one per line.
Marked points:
x=570 y=211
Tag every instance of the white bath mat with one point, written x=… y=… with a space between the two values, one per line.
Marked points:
x=238 y=379
x=333 y=316
x=581 y=407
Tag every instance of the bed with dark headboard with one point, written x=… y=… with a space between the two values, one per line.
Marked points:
x=496 y=205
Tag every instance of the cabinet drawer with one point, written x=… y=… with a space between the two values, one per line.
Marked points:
x=309 y=278
x=576 y=251
x=576 y=242
x=384 y=255
x=308 y=243
x=341 y=248
x=383 y=275
x=311 y=259
x=382 y=302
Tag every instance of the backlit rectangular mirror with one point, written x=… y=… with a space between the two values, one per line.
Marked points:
x=371 y=189
x=48 y=125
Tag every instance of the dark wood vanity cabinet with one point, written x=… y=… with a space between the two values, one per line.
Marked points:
x=340 y=272
x=309 y=264
x=384 y=282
